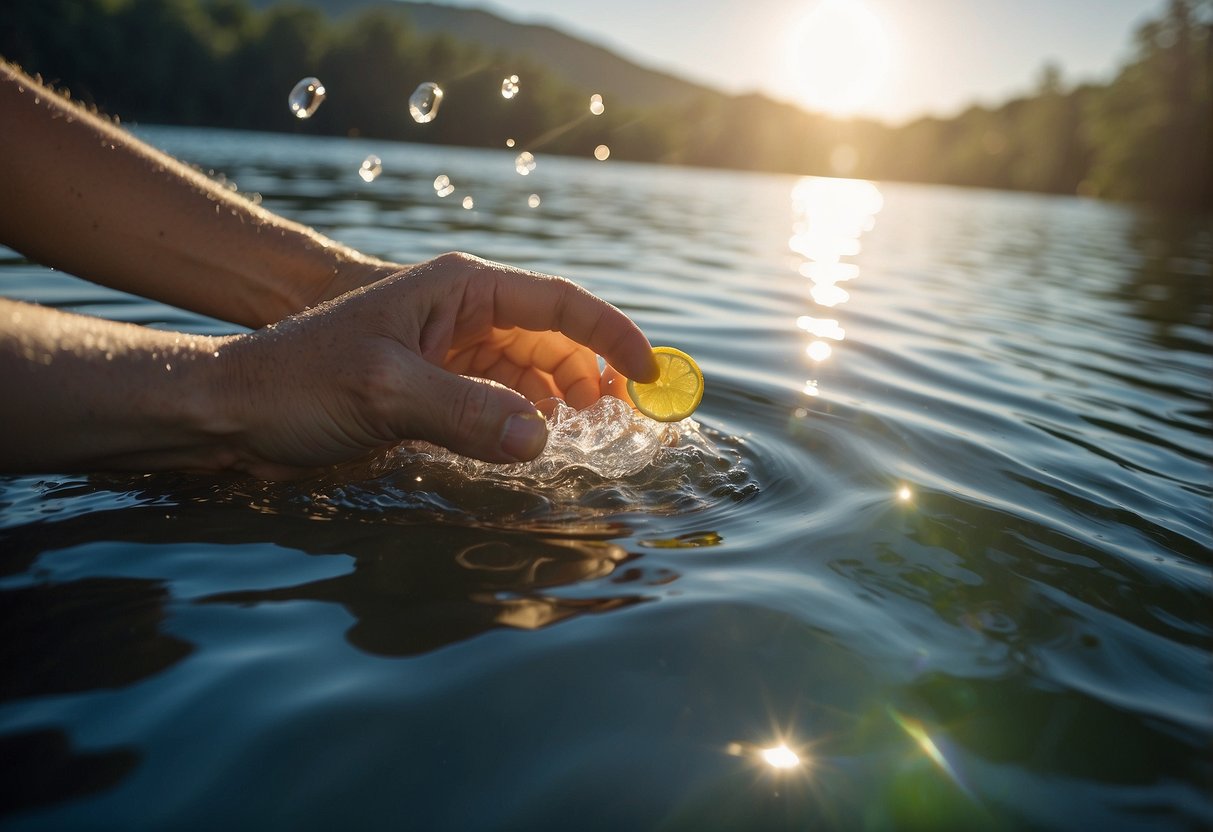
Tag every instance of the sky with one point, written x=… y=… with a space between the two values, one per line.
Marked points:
x=889 y=59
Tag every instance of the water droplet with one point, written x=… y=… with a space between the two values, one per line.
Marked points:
x=509 y=142
x=306 y=97
x=469 y=203
x=424 y=102
x=602 y=153
x=596 y=105
x=533 y=200
x=443 y=186
x=525 y=163
x=509 y=87
x=371 y=167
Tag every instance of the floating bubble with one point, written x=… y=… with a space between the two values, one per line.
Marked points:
x=596 y=105
x=306 y=97
x=509 y=87
x=602 y=153
x=533 y=200
x=469 y=203
x=525 y=163
x=370 y=169
x=509 y=142
x=443 y=186
x=424 y=102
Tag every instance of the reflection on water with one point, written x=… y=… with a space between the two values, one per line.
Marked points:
x=829 y=217
x=940 y=534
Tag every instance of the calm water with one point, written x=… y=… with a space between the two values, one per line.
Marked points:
x=943 y=531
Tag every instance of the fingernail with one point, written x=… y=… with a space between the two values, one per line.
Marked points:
x=524 y=435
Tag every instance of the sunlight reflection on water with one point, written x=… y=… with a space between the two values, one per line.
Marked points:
x=829 y=217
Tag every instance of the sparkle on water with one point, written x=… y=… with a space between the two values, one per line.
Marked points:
x=370 y=169
x=525 y=163
x=306 y=97
x=443 y=186
x=469 y=203
x=533 y=200
x=596 y=106
x=509 y=87
x=602 y=153
x=819 y=350
x=425 y=101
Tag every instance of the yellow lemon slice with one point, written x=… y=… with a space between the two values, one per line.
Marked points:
x=676 y=392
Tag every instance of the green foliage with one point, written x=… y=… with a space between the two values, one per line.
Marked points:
x=1144 y=136
x=1150 y=128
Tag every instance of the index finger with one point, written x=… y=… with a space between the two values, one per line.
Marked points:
x=542 y=302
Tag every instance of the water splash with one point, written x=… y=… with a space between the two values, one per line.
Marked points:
x=306 y=97
x=599 y=461
x=370 y=169
x=525 y=163
x=424 y=102
x=607 y=439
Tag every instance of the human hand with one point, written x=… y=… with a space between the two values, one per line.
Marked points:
x=454 y=351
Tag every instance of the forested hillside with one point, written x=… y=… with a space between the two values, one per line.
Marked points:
x=1145 y=135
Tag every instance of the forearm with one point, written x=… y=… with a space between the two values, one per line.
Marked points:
x=82 y=393
x=86 y=197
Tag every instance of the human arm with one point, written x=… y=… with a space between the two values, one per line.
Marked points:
x=86 y=197
x=363 y=371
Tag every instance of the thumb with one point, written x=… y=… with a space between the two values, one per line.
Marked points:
x=485 y=420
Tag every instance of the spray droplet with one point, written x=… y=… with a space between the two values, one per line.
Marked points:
x=509 y=87
x=443 y=186
x=525 y=163
x=602 y=153
x=469 y=203
x=306 y=97
x=533 y=200
x=596 y=105
x=509 y=142
x=424 y=102
x=371 y=167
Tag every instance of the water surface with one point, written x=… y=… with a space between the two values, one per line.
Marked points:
x=941 y=527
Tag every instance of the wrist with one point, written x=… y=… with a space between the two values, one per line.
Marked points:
x=203 y=407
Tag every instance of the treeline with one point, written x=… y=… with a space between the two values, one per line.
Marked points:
x=1145 y=135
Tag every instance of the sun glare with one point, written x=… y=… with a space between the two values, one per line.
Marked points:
x=839 y=57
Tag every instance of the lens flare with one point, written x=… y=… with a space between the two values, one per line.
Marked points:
x=780 y=756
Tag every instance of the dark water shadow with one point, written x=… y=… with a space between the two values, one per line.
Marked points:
x=67 y=638
x=43 y=769
x=417 y=583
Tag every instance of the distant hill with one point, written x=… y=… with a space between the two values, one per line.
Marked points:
x=578 y=62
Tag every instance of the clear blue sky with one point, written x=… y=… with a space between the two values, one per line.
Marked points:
x=941 y=54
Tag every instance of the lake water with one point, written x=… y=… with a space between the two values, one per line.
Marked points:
x=939 y=536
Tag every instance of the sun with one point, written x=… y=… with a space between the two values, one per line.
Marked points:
x=839 y=57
